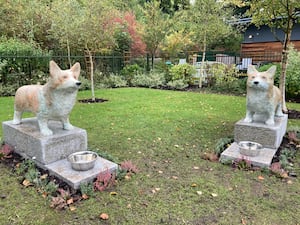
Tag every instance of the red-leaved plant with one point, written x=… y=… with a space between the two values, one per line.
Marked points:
x=105 y=180
x=129 y=167
x=6 y=151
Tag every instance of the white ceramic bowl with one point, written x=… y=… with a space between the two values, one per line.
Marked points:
x=84 y=160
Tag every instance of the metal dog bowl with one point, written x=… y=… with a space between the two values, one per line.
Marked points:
x=249 y=148
x=84 y=160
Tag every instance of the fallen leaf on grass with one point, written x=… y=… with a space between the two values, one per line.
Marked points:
x=244 y=221
x=104 y=216
x=44 y=176
x=85 y=196
x=196 y=167
x=214 y=195
x=289 y=182
x=70 y=201
x=113 y=193
x=26 y=183
x=72 y=208
x=199 y=192
x=193 y=185
x=210 y=156
x=260 y=177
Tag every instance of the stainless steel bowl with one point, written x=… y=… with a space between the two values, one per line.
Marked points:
x=84 y=160
x=250 y=148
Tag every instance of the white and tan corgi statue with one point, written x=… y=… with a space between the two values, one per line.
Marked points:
x=52 y=101
x=262 y=96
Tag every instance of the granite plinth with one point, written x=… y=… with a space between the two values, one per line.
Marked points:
x=263 y=159
x=27 y=141
x=269 y=136
x=63 y=170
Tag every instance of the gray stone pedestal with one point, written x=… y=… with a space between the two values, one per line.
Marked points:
x=267 y=136
x=270 y=137
x=28 y=142
x=51 y=152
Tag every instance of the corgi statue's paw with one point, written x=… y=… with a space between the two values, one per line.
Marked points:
x=16 y=122
x=248 y=120
x=46 y=132
x=68 y=126
x=270 y=122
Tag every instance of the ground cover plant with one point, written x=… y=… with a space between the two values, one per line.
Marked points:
x=165 y=134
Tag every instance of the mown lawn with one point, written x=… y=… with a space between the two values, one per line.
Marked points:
x=164 y=133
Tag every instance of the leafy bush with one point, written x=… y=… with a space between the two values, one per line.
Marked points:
x=182 y=72
x=277 y=73
x=177 y=84
x=129 y=71
x=152 y=80
x=112 y=81
x=8 y=90
x=85 y=84
x=227 y=80
x=223 y=73
x=293 y=73
x=21 y=60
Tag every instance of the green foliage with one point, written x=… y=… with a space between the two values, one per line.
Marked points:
x=177 y=84
x=222 y=144
x=85 y=84
x=292 y=74
x=152 y=80
x=113 y=81
x=87 y=189
x=20 y=70
x=129 y=71
x=182 y=72
x=226 y=79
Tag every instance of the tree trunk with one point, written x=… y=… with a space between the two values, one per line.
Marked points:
x=202 y=62
x=69 y=53
x=92 y=73
x=284 y=59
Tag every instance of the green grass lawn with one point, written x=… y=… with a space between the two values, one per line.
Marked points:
x=164 y=133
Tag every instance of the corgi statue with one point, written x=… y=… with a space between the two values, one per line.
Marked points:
x=52 y=101
x=262 y=96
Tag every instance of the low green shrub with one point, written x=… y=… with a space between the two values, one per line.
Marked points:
x=112 y=81
x=152 y=80
x=177 y=84
x=182 y=72
x=129 y=71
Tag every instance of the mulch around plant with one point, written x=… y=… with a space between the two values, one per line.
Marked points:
x=293 y=114
x=90 y=100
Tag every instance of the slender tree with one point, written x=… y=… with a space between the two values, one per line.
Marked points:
x=282 y=14
x=206 y=20
x=156 y=26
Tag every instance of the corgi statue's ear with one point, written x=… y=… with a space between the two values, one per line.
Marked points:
x=251 y=69
x=271 y=71
x=76 y=69
x=54 y=69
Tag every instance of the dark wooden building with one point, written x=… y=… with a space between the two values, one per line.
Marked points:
x=261 y=45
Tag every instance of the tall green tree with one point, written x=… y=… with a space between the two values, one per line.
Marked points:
x=26 y=20
x=87 y=25
x=282 y=14
x=156 y=27
x=206 y=20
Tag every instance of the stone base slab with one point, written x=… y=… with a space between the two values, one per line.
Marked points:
x=267 y=136
x=28 y=142
x=63 y=170
x=263 y=159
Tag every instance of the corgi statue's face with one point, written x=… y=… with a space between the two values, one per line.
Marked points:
x=260 y=80
x=65 y=79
